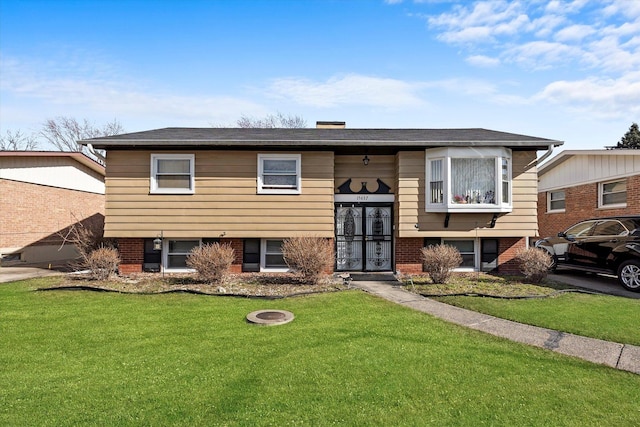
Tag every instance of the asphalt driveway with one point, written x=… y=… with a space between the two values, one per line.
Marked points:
x=11 y=274
x=603 y=283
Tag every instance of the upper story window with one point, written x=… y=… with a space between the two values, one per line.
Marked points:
x=279 y=174
x=468 y=179
x=555 y=201
x=612 y=194
x=172 y=174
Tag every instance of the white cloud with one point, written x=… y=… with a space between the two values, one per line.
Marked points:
x=541 y=54
x=480 y=22
x=351 y=89
x=601 y=97
x=574 y=33
x=100 y=95
x=556 y=6
x=544 y=35
x=483 y=61
x=467 y=35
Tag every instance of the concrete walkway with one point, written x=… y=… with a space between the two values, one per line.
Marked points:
x=620 y=356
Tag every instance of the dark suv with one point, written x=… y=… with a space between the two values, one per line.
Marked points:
x=600 y=245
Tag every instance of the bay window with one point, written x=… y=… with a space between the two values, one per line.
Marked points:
x=468 y=180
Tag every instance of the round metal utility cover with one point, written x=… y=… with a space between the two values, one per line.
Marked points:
x=270 y=317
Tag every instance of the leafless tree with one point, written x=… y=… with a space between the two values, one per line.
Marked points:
x=277 y=120
x=65 y=132
x=17 y=141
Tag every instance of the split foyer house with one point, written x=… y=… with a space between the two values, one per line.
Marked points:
x=580 y=184
x=379 y=194
x=42 y=195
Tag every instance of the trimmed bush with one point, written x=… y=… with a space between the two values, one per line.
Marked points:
x=439 y=261
x=534 y=264
x=311 y=257
x=103 y=263
x=211 y=261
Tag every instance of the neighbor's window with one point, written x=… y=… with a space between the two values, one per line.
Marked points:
x=555 y=201
x=172 y=173
x=279 y=174
x=272 y=255
x=613 y=194
x=469 y=179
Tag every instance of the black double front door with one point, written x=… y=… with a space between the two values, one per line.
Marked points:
x=364 y=237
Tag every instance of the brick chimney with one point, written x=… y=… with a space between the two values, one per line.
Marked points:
x=330 y=125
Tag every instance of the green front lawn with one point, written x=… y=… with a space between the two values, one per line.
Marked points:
x=349 y=358
x=604 y=317
x=608 y=318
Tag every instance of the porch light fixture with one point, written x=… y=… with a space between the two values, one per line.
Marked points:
x=157 y=243
x=365 y=160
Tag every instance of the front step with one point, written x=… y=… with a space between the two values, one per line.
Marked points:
x=386 y=276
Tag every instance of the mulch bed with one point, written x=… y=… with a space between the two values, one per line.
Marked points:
x=262 y=285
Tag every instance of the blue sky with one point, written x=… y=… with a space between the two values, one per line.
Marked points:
x=567 y=70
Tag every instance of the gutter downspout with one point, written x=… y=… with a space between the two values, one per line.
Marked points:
x=540 y=160
x=99 y=156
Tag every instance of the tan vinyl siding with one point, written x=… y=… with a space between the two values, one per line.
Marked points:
x=225 y=200
x=382 y=167
x=410 y=196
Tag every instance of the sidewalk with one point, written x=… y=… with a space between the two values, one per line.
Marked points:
x=620 y=356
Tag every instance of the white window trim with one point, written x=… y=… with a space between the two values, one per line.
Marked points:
x=154 y=166
x=476 y=253
x=601 y=204
x=165 y=256
x=497 y=153
x=296 y=157
x=263 y=258
x=549 y=209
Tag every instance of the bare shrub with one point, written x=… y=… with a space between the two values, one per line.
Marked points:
x=103 y=263
x=439 y=261
x=309 y=256
x=211 y=261
x=534 y=264
x=86 y=236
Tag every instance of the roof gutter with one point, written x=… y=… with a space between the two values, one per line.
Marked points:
x=547 y=154
x=98 y=156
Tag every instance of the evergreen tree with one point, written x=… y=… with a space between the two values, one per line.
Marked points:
x=631 y=139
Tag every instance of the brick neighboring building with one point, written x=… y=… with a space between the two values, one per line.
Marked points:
x=579 y=184
x=42 y=194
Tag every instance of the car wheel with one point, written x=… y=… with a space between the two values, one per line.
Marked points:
x=629 y=275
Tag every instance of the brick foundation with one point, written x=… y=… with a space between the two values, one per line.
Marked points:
x=507 y=250
x=408 y=257
x=238 y=246
x=131 y=252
